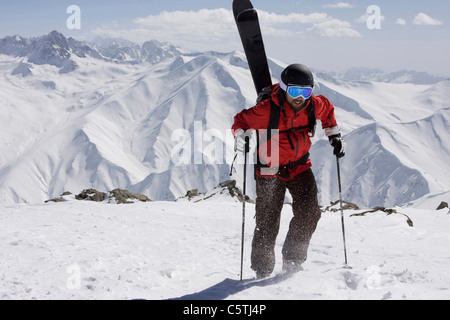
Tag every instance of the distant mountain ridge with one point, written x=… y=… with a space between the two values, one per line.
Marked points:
x=57 y=50
x=378 y=75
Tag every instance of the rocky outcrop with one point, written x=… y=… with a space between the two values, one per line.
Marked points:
x=227 y=187
x=116 y=196
x=121 y=196
x=443 y=205
x=385 y=210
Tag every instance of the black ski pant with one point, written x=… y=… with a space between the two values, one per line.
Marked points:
x=270 y=192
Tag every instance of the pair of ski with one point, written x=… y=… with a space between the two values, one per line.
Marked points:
x=250 y=32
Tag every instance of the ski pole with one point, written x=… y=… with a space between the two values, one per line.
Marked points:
x=342 y=210
x=244 y=190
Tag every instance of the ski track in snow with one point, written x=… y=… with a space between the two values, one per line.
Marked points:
x=184 y=250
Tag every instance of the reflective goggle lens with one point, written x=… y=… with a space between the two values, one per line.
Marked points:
x=296 y=92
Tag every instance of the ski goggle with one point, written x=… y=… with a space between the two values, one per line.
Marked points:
x=297 y=91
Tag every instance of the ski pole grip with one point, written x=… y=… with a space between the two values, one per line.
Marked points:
x=247 y=144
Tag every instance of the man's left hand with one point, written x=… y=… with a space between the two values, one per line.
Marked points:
x=338 y=144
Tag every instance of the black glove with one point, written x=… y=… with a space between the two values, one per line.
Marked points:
x=338 y=144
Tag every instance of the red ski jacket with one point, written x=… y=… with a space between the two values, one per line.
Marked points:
x=292 y=145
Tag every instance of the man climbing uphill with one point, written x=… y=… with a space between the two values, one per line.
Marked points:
x=284 y=163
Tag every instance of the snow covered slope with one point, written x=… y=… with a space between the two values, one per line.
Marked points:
x=396 y=150
x=185 y=250
x=117 y=123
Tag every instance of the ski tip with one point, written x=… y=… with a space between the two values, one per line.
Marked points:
x=247 y=15
x=241 y=5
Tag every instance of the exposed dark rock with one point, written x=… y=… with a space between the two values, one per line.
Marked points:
x=91 y=194
x=443 y=205
x=121 y=196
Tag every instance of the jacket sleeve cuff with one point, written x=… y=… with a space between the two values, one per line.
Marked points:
x=332 y=131
x=238 y=132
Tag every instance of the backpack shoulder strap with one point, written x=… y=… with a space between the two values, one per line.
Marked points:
x=274 y=116
x=312 y=118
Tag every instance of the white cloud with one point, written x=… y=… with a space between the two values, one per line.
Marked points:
x=338 y=5
x=424 y=19
x=400 y=21
x=203 y=24
x=275 y=19
x=335 y=28
x=195 y=30
x=215 y=29
x=365 y=17
x=321 y=23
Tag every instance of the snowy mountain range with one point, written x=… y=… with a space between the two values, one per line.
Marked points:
x=114 y=114
x=57 y=50
x=378 y=75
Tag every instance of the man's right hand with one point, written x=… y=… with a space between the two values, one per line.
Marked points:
x=239 y=141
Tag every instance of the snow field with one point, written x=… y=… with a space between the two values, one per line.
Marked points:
x=171 y=250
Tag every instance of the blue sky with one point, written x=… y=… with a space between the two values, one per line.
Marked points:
x=325 y=34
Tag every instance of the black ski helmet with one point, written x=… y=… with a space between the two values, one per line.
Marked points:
x=296 y=74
